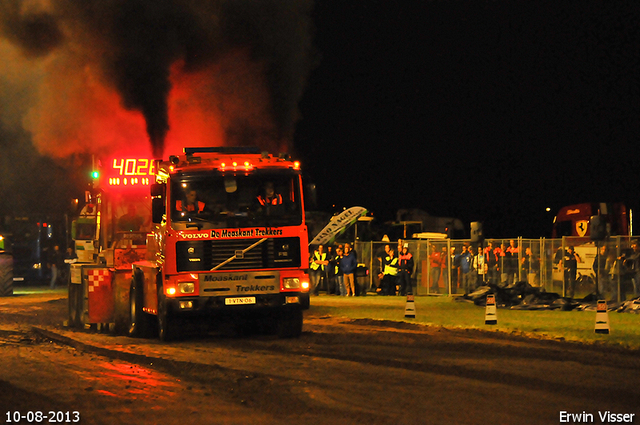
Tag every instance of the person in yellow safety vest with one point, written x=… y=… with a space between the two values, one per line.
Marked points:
x=405 y=269
x=318 y=264
x=388 y=283
x=381 y=256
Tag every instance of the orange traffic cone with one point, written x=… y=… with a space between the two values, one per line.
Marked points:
x=490 y=317
x=602 y=318
x=410 y=308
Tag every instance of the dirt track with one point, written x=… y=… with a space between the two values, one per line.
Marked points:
x=340 y=372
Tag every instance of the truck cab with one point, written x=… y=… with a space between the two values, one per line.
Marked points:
x=229 y=240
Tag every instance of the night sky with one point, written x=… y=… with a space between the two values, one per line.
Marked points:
x=480 y=110
x=484 y=111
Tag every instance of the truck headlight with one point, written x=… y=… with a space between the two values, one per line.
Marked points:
x=186 y=287
x=291 y=283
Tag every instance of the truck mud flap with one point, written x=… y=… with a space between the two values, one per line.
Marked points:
x=6 y=275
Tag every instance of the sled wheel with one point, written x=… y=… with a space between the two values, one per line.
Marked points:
x=139 y=323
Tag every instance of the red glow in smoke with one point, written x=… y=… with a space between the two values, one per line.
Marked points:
x=226 y=103
x=194 y=119
x=77 y=113
x=216 y=105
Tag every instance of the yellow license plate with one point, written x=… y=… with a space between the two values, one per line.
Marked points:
x=240 y=300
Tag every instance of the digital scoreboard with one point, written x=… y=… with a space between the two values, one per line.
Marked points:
x=130 y=172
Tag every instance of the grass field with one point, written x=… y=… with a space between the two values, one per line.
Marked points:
x=448 y=313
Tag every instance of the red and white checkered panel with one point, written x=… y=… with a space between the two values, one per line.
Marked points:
x=100 y=299
x=97 y=277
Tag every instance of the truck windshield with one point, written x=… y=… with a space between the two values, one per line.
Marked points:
x=206 y=201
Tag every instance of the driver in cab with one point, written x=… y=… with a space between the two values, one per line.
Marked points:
x=190 y=202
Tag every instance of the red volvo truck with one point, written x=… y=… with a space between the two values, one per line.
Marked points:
x=221 y=237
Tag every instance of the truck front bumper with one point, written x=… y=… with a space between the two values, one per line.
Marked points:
x=212 y=306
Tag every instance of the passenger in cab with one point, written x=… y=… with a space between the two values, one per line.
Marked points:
x=269 y=201
x=269 y=197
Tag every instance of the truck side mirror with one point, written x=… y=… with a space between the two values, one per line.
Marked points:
x=310 y=197
x=157 y=210
x=158 y=191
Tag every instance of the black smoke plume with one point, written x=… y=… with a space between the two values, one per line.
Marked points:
x=135 y=43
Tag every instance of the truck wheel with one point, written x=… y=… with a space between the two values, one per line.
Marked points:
x=166 y=323
x=139 y=320
x=290 y=323
x=304 y=301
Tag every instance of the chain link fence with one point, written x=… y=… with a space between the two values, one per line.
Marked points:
x=455 y=267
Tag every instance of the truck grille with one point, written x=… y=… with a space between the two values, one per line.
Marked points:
x=193 y=256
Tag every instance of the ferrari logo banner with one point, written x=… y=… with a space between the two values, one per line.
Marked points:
x=581 y=227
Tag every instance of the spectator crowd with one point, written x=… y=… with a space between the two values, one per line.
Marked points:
x=443 y=268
